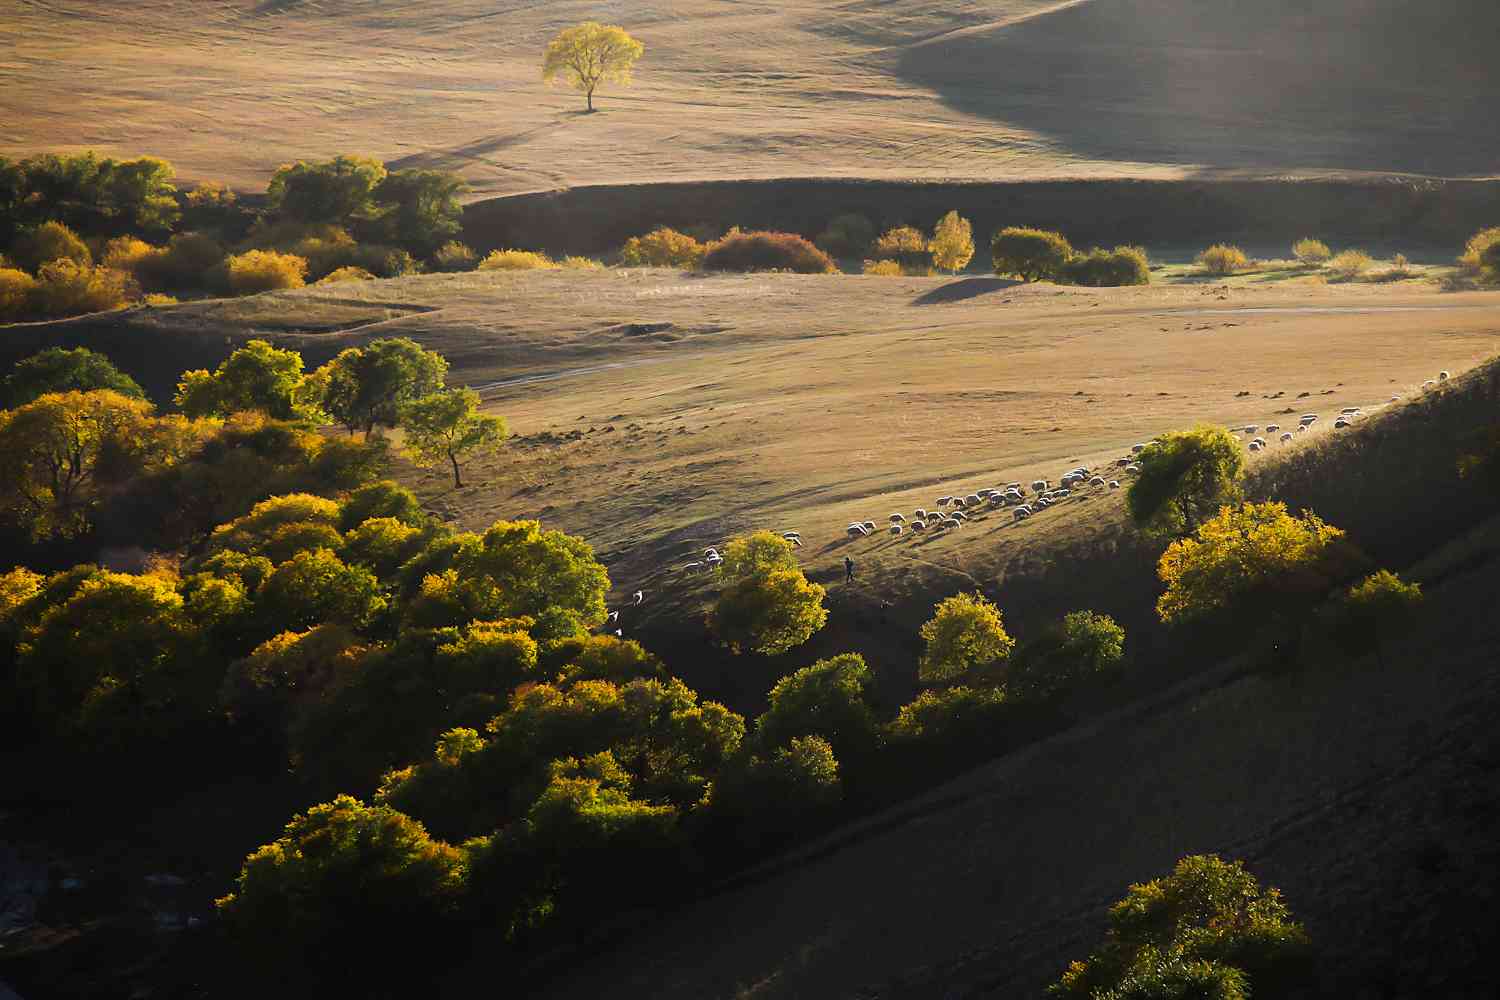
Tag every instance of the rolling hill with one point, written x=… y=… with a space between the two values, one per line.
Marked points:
x=228 y=89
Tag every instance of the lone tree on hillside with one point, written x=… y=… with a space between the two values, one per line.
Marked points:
x=589 y=54
x=1029 y=254
x=953 y=243
x=447 y=424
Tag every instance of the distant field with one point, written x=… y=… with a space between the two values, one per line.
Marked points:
x=228 y=89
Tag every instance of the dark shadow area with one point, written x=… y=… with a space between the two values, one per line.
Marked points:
x=963 y=289
x=1378 y=85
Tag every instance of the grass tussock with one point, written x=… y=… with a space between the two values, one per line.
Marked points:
x=517 y=260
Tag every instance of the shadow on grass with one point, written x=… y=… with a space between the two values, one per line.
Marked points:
x=963 y=289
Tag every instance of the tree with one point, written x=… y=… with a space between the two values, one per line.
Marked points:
x=1029 y=254
x=768 y=795
x=965 y=633
x=367 y=385
x=61 y=451
x=770 y=612
x=1185 y=477
x=589 y=54
x=848 y=235
x=1378 y=607
x=1255 y=559
x=52 y=241
x=1207 y=930
x=338 y=191
x=827 y=699
x=663 y=247
x=382 y=499
x=761 y=552
x=313 y=587
x=58 y=369
x=1311 y=253
x=1082 y=645
x=342 y=879
x=255 y=377
x=448 y=424
x=953 y=243
x=420 y=208
x=907 y=246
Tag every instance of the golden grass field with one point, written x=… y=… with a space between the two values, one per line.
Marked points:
x=229 y=89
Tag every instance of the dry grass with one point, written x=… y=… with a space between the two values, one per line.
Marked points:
x=887 y=88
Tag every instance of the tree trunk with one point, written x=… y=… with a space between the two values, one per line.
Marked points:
x=591 y=100
x=457 y=483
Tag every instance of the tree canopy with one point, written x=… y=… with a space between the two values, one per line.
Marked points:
x=366 y=386
x=767 y=606
x=1083 y=644
x=255 y=377
x=59 y=369
x=953 y=243
x=448 y=425
x=964 y=634
x=589 y=54
x=1029 y=254
x=1185 y=477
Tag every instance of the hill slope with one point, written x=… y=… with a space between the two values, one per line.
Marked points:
x=876 y=88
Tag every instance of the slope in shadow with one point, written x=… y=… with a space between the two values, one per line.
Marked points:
x=1382 y=85
x=963 y=289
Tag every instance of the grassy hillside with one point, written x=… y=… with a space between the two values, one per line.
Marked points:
x=875 y=88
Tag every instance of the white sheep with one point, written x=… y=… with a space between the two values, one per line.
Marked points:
x=898 y=519
x=921 y=514
x=953 y=522
x=869 y=525
x=1114 y=484
x=1349 y=409
x=692 y=567
x=1039 y=485
x=1136 y=449
x=1097 y=481
x=638 y=597
x=1255 y=446
x=896 y=529
x=1340 y=423
x=1251 y=428
x=944 y=501
x=1285 y=436
x=710 y=551
x=1301 y=428
x=1443 y=376
x=972 y=499
x=919 y=526
x=1272 y=428
x=856 y=531
x=1395 y=399
x=1133 y=467
x=1428 y=384
x=789 y=535
x=1021 y=513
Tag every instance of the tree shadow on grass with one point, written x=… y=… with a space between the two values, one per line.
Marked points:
x=962 y=289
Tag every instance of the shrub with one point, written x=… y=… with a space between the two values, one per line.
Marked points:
x=253 y=530
x=1108 y=268
x=1490 y=259
x=571 y=263
x=1207 y=930
x=957 y=716
x=516 y=260
x=17 y=289
x=48 y=242
x=1221 y=258
x=1373 y=610
x=952 y=243
x=1029 y=254
x=258 y=271
x=66 y=288
x=454 y=256
x=1350 y=264
x=156 y=300
x=770 y=606
x=964 y=634
x=908 y=247
x=663 y=247
x=190 y=261
x=773 y=794
x=1311 y=252
x=1083 y=645
x=381 y=499
x=1473 y=258
x=254 y=377
x=349 y=273
x=134 y=257
x=847 y=236
x=383 y=261
x=1400 y=266
x=883 y=268
x=765 y=251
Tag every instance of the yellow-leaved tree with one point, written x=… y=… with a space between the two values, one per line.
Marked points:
x=589 y=54
x=964 y=634
x=953 y=243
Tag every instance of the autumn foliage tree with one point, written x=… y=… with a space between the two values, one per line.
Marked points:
x=953 y=243
x=1185 y=477
x=254 y=377
x=767 y=606
x=590 y=54
x=964 y=635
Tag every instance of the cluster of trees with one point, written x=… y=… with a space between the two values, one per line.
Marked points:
x=1481 y=256
x=82 y=233
x=1041 y=255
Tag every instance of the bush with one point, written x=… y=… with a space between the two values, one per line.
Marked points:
x=17 y=289
x=883 y=268
x=516 y=260
x=156 y=300
x=954 y=717
x=258 y=271
x=346 y=274
x=190 y=261
x=847 y=236
x=1373 y=610
x=1350 y=264
x=770 y=606
x=314 y=587
x=48 y=242
x=663 y=247
x=1108 y=268
x=906 y=246
x=1473 y=259
x=1311 y=252
x=381 y=499
x=134 y=257
x=571 y=263
x=1401 y=266
x=1222 y=258
x=965 y=634
x=765 y=251
x=1029 y=254
x=66 y=288
x=827 y=699
x=1084 y=644
x=454 y=256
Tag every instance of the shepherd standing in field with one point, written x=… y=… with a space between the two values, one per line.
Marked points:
x=848 y=570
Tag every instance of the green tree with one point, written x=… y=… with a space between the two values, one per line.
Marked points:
x=1029 y=254
x=254 y=531
x=523 y=570
x=827 y=699
x=382 y=544
x=965 y=634
x=420 y=208
x=254 y=377
x=448 y=424
x=765 y=796
x=337 y=191
x=381 y=499
x=1082 y=645
x=58 y=369
x=953 y=243
x=343 y=881
x=1207 y=930
x=589 y=54
x=315 y=587
x=284 y=674
x=769 y=613
x=62 y=451
x=1255 y=559
x=1185 y=477
x=847 y=236
x=761 y=552
x=52 y=241
x=1377 y=608
x=367 y=385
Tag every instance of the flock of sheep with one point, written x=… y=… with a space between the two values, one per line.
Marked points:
x=1346 y=418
